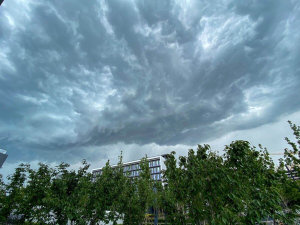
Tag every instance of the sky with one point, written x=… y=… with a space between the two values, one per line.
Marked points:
x=89 y=79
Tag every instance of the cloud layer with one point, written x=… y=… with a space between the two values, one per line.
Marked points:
x=75 y=75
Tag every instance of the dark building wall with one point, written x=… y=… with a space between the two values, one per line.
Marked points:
x=2 y=159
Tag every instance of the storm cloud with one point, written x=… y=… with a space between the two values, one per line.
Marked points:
x=76 y=75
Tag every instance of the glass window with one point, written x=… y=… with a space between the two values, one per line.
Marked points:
x=133 y=167
x=158 y=162
x=158 y=169
x=158 y=176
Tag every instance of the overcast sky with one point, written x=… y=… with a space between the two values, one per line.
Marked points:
x=88 y=79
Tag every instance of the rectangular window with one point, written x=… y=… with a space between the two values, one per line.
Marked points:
x=158 y=163
x=158 y=169
x=133 y=167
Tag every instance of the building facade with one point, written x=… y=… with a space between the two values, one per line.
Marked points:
x=156 y=165
x=3 y=157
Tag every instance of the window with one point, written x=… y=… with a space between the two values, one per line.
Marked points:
x=158 y=162
x=158 y=169
x=133 y=167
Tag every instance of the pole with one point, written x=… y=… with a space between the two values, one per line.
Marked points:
x=155 y=209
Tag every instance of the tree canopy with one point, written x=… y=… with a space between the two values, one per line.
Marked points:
x=241 y=186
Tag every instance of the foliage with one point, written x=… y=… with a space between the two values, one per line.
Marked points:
x=291 y=187
x=12 y=203
x=242 y=186
x=138 y=195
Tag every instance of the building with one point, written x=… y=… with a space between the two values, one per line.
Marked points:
x=3 y=157
x=156 y=165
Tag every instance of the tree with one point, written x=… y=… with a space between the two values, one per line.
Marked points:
x=2 y=199
x=15 y=192
x=242 y=186
x=37 y=188
x=138 y=195
x=67 y=198
x=291 y=186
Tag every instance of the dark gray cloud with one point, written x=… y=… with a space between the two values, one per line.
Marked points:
x=75 y=75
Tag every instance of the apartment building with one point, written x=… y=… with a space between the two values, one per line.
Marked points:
x=156 y=165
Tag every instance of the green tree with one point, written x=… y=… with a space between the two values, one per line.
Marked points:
x=11 y=203
x=291 y=185
x=37 y=188
x=66 y=198
x=2 y=198
x=242 y=186
x=138 y=195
